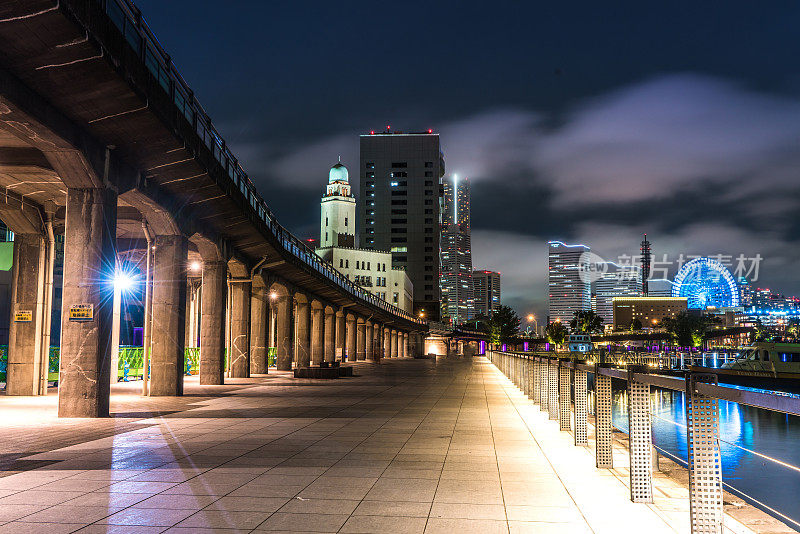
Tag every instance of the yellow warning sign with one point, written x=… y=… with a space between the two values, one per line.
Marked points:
x=23 y=316
x=81 y=312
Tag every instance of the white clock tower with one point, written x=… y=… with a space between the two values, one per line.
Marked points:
x=338 y=217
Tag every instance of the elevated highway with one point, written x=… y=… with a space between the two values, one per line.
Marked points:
x=102 y=140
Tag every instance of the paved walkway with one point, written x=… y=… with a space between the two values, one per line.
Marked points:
x=408 y=446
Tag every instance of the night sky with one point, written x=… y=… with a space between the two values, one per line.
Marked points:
x=581 y=121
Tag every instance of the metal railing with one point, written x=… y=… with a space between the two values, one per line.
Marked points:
x=128 y=19
x=559 y=387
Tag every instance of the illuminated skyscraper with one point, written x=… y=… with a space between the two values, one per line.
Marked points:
x=458 y=305
x=569 y=289
x=486 y=290
x=625 y=282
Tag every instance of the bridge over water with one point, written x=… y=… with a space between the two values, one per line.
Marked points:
x=102 y=140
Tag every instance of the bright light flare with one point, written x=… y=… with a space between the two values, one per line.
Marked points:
x=195 y=266
x=123 y=281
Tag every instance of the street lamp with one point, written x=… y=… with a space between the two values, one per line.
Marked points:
x=532 y=319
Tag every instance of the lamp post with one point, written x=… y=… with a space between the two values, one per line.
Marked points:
x=532 y=319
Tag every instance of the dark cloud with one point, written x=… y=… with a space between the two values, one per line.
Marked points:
x=583 y=122
x=704 y=165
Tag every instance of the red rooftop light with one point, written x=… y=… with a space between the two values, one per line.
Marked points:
x=372 y=132
x=430 y=130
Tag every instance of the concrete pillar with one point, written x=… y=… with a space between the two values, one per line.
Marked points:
x=212 y=322
x=387 y=342
x=302 y=332
x=330 y=335
x=369 y=339
x=406 y=354
x=240 y=329
x=317 y=334
x=341 y=335
x=27 y=301
x=169 y=316
x=283 y=333
x=350 y=338
x=361 y=340
x=259 y=320
x=394 y=344
x=89 y=262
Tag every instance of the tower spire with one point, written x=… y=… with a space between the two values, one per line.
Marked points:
x=645 y=264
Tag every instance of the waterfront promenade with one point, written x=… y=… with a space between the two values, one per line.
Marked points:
x=406 y=446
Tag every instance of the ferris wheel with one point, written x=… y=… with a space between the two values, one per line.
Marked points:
x=706 y=282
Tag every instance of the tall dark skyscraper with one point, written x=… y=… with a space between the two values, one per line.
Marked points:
x=400 y=187
x=458 y=304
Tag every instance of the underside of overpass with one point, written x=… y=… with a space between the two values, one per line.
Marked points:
x=101 y=141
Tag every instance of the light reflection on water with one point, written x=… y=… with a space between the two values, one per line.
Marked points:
x=773 y=434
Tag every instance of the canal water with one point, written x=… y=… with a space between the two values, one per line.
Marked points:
x=741 y=427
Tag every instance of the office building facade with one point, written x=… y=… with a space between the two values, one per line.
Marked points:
x=623 y=282
x=400 y=177
x=486 y=291
x=649 y=311
x=569 y=288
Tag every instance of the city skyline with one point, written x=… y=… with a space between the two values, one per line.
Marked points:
x=528 y=132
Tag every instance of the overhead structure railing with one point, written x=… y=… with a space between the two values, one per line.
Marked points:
x=128 y=19
x=559 y=385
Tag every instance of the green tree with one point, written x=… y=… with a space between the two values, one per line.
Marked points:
x=556 y=333
x=688 y=329
x=793 y=328
x=503 y=325
x=586 y=321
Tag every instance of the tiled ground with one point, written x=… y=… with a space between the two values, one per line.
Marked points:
x=408 y=446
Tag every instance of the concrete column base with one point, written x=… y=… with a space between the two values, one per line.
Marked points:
x=169 y=316
x=259 y=318
x=317 y=335
x=26 y=366
x=89 y=263
x=240 y=329
x=284 y=339
x=302 y=331
x=330 y=336
x=212 y=323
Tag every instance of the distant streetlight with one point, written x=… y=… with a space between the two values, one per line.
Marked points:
x=532 y=319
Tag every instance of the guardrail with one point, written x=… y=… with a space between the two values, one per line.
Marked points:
x=560 y=387
x=128 y=19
